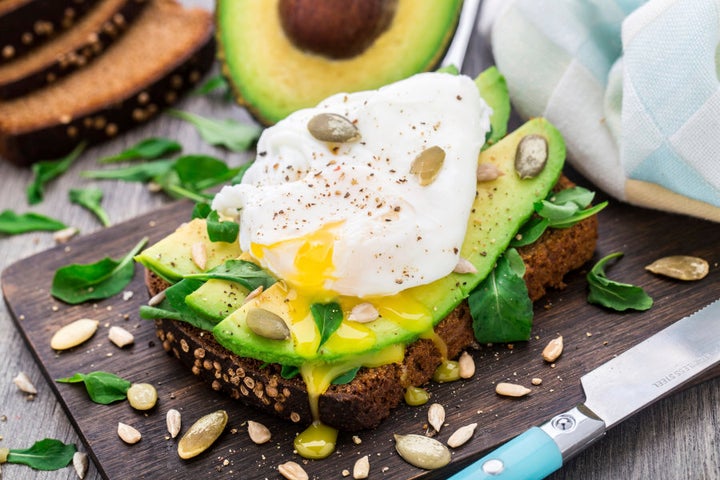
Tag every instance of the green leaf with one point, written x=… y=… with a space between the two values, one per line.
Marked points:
x=12 y=223
x=612 y=294
x=46 y=454
x=328 y=317
x=229 y=133
x=221 y=231
x=199 y=172
x=247 y=274
x=143 y=172
x=289 y=371
x=102 y=387
x=44 y=172
x=201 y=210
x=240 y=173
x=216 y=83
x=346 y=377
x=500 y=305
x=91 y=199
x=77 y=283
x=148 y=149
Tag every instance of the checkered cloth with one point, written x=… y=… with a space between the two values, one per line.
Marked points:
x=633 y=86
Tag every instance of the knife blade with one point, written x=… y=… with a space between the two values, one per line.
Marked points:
x=613 y=391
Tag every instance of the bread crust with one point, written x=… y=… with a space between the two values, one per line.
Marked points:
x=370 y=397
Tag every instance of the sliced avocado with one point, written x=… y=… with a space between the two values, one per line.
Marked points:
x=171 y=257
x=501 y=207
x=493 y=89
x=216 y=299
x=272 y=76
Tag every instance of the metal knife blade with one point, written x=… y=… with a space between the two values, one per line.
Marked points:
x=614 y=391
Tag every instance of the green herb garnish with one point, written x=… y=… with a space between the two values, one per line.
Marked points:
x=91 y=199
x=612 y=294
x=148 y=149
x=12 y=223
x=77 y=283
x=102 y=387
x=44 y=172
x=46 y=454
x=328 y=317
x=231 y=134
x=143 y=172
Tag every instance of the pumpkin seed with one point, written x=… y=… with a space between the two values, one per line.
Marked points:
x=128 y=434
x=361 y=469
x=267 y=324
x=120 y=337
x=23 y=383
x=461 y=435
x=531 y=156
x=331 y=127
x=258 y=432
x=464 y=266
x=80 y=464
x=466 y=366
x=363 y=313
x=421 y=451
x=142 y=396
x=680 y=267
x=436 y=416
x=173 y=420
x=426 y=166
x=292 y=471
x=73 y=334
x=202 y=434
x=487 y=172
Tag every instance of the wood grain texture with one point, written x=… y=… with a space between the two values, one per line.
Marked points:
x=676 y=438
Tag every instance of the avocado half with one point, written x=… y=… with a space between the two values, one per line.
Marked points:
x=272 y=77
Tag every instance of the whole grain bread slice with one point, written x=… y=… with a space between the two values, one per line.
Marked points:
x=72 y=49
x=163 y=53
x=370 y=397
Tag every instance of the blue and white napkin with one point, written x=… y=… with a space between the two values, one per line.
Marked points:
x=633 y=86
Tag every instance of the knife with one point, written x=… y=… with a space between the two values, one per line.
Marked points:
x=458 y=48
x=614 y=391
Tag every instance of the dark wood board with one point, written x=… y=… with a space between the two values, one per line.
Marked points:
x=592 y=335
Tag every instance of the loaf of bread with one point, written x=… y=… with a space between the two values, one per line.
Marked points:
x=72 y=49
x=165 y=51
x=350 y=407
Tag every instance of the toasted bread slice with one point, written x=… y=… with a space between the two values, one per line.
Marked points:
x=350 y=407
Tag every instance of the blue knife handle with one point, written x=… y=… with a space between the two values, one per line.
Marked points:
x=530 y=455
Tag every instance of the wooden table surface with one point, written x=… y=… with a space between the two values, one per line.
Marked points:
x=677 y=438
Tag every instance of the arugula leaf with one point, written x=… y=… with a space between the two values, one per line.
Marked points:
x=12 y=223
x=346 y=377
x=143 y=172
x=44 y=172
x=229 y=133
x=148 y=149
x=77 y=283
x=46 y=454
x=247 y=274
x=500 y=305
x=102 y=387
x=221 y=231
x=612 y=294
x=328 y=317
x=90 y=198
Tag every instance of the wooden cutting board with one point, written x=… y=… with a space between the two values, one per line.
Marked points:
x=592 y=336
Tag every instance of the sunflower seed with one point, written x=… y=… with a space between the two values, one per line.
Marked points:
x=436 y=416
x=363 y=313
x=173 y=420
x=258 y=432
x=128 y=434
x=80 y=464
x=198 y=253
x=73 y=334
x=292 y=471
x=427 y=165
x=331 y=127
x=464 y=266
x=24 y=384
x=531 y=156
x=267 y=324
x=553 y=349
x=511 y=389
x=487 y=172
x=466 y=366
x=680 y=267
x=421 y=451
x=64 y=235
x=361 y=469
x=202 y=434
x=461 y=435
x=253 y=294
x=157 y=299
x=120 y=337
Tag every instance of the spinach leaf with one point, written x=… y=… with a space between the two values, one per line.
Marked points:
x=328 y=317
x=148 y=149
x=46 y=454
x=77 y=283
x=289 y=371
x=90 y=198
x=12 y=223
x=240 y=173
x=201 y=210
x=200 y=172
x=44 y=172
x=247 y=274
x=102 y=387
x=615 y=295
x=143 y=172
x=231 y=134
x=216 y=83
x=221 y=231
x=346 y=377
x=500 y=305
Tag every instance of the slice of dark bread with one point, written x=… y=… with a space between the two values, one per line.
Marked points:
x=25 y=24
x=369 y=398
x=163 y=53
x=72 y=49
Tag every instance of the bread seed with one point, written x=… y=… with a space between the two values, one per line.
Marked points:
x=73 y=334
x=361 y=469
x=258 y=432
x=461 y=435
x=531 y=156
x=24 y=384
x=292 y=471
x=421 y=451
x=680 y=267
x=436 y=416
x=466 y=366
x=464 y=266
x=331 y=127
x=363 y=313
x=80 y=464
x=202 y=434
x=553 y=349
x=128 y=434
x=511 y=390
x=267 y=324
x=142 y=396
x=198 y=254
x=173 y=420
x=487 y=172
x=120 y=337
x=427 y=165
